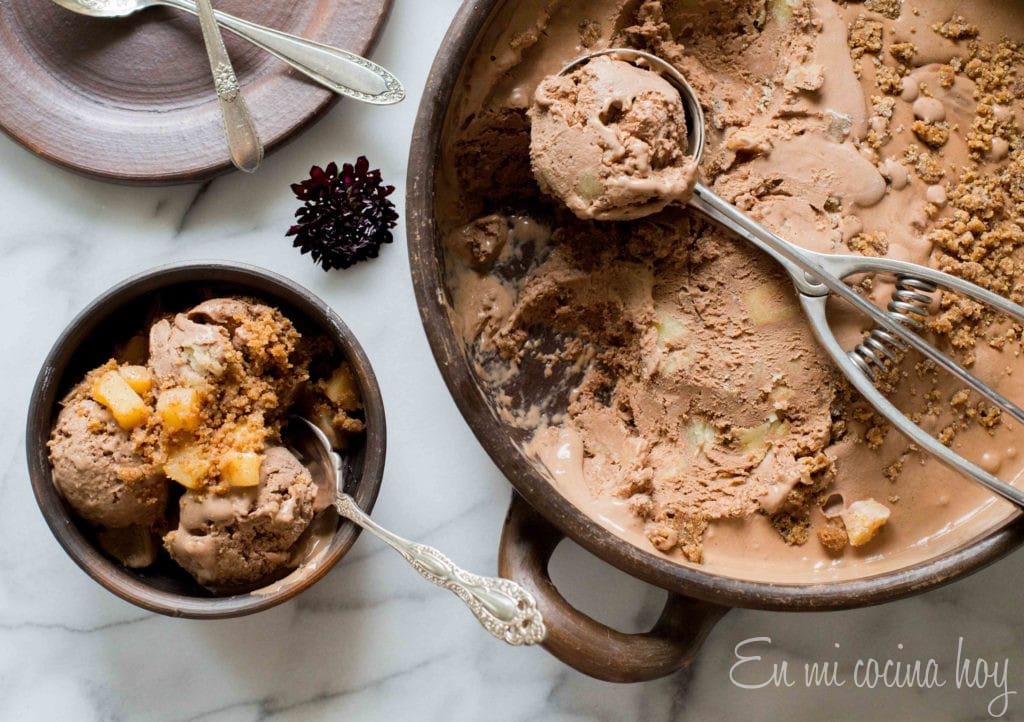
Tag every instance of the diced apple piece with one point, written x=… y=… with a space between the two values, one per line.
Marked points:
x=341 y=388
x=749 y=141
x=863 y=519
x=180 y=409
x=756 y=438
x=138 y=378
x=782 y=10
x=701 y=435
x=780 y=396
x=680 y=360
x=187 y=466
x=768 y=304
x=128 y=408
x=589 y=185
x=241 y=468
x=671 y=331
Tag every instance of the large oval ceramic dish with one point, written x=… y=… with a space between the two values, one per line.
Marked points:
x=533 y=531
x=166 y=588
x=131 y=99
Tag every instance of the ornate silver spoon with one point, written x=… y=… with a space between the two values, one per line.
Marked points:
x=338 y=70
x=504 y=608
x=244 y=144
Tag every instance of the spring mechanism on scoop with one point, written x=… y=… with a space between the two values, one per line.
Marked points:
x=910 y=305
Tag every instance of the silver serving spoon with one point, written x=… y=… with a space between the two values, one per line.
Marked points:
x=338 y=70
x=819 y=275
x=244 y=144
x=504 y=608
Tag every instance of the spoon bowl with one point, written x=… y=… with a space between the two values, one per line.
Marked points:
x=106 y=8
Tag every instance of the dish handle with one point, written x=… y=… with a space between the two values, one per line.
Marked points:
x=588 y=646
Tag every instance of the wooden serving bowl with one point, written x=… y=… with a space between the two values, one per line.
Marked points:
x=540 y=517
x=89 y=340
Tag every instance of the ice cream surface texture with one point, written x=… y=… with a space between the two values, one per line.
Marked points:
x=609 y=140
x=183 y=441
x=98 y=470
x=658 y=370
x=244 y=535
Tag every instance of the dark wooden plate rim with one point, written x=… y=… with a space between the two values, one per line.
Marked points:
x=81 y=550
x=428 y=279
x=222 y=166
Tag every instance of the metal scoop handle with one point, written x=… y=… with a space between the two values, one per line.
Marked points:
x=815 y=308
x=813 y=275
x=504 y=608
x=817 y=275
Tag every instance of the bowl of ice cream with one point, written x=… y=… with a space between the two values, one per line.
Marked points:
x=157 y=442
x=648 y=383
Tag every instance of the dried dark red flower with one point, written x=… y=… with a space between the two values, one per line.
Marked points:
x=345 y=217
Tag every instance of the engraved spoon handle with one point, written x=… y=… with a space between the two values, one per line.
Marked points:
x=338 y=70
x=244 y=143
x=504 y=608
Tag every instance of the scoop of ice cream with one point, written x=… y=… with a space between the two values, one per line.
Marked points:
x=96 y=468
x=231 y=313
x=265 y=338
x=609 y=140
x=224 y=339
x=241 y=537
x=185 y=353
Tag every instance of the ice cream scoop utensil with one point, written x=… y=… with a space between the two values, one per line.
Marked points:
x=817 y=276
x=504 y=608
x=338 y=70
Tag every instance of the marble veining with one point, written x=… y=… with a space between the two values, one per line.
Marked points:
x=372 y=641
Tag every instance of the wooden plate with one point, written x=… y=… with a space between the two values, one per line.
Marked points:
x=131 y=100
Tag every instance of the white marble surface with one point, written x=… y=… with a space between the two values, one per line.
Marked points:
x=371 y=641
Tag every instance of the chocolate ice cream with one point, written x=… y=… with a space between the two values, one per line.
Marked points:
x=184 y=352
x=205 y=412
x=99 y=469
x=661 y=370
x=609 y=140
x=246 y=534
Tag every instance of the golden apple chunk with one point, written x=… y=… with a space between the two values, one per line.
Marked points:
x=129 y=410
x=769 y=304
x=341 y=388
x=241 y=468
x=180 y=409
x=138 y=378
x=863 y=520
x=187 y=466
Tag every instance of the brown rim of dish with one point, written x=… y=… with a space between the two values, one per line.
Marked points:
x=427 y=265
x=44 y=400
x=315 y=109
